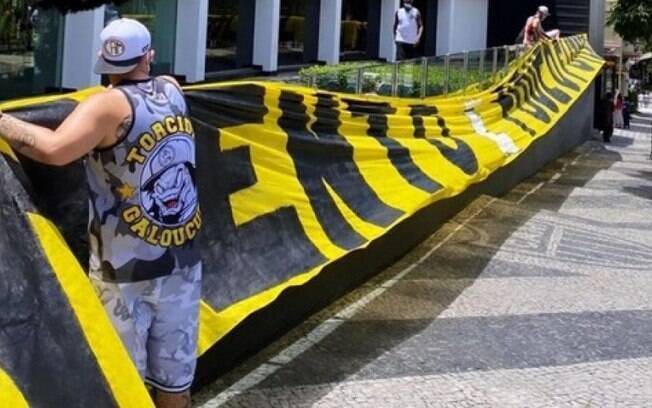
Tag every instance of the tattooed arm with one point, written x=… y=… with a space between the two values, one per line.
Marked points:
x=96 y=122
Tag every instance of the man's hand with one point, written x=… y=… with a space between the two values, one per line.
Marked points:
x=419 y=29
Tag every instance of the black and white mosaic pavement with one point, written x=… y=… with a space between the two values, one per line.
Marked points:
x=542 y=298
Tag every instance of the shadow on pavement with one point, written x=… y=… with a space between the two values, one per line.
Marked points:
x=398 y=333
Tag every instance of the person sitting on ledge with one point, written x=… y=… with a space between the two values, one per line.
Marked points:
x=533 y=31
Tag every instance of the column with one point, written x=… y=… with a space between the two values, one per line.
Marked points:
x=266 y=34
x=81 y=45
x=387 y=47
x=461 y=25
x=596 y=38
x=596 y=25
x=330 y=23
x=190 y=52
x=311 y=31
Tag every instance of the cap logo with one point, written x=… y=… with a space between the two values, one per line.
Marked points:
x=114 y=48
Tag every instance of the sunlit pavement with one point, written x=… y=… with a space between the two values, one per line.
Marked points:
x=542 y=298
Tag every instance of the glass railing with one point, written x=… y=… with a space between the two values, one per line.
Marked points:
x=423 y=77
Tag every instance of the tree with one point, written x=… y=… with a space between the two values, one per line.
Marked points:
x=632 y=20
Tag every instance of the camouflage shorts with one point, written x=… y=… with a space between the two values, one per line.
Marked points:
x=157 y=320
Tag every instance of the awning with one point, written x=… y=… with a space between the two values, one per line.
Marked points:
x=644 y=57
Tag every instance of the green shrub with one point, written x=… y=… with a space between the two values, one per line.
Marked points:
x=376 y=78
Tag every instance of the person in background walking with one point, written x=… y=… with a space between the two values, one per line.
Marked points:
x=408 y=27
x=619 y=104
x=607 y=117
x=627 y=113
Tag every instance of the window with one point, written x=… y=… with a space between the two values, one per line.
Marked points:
x=160 y=17
x=354 y=31
x=222 y=35
x=31 y=49
x=292 y=32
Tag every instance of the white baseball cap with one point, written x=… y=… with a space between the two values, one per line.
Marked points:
x=544 y=11
x=124 y=42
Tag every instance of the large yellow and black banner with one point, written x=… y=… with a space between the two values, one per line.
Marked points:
x=303 y=177
x=291 y=180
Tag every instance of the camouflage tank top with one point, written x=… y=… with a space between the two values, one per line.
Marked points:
x=144 y=213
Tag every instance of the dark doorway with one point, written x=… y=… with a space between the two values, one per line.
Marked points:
x=360 y=29
x=298 y=31
x=229 y=37
x=428 y=44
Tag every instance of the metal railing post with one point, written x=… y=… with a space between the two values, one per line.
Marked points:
x=465 y=70
x=506 y=56
x=447 y=66
x=358 y=85
x=481 y=65
x=424 y=76
x=449 y=82
x=395 y=72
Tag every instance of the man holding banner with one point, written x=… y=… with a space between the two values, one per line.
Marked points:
x=139 y=149
x=534 y=31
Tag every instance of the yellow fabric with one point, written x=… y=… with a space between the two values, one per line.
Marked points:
x=6 y=149
x=122 y=376
x=10 y=395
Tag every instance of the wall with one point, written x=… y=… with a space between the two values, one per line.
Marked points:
x=597 y=25
x=191 y=61
x=81 y=43
x=266 y=33
x=330 y=23
x=461 y=25
x=387 y=48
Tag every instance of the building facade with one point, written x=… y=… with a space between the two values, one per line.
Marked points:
x=619 y=55
x=42 y=51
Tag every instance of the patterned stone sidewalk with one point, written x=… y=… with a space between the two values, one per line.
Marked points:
x=541 y=298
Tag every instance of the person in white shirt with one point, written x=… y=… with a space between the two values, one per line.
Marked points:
x=408 y=27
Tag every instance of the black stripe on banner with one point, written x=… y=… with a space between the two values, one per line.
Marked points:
x=376 y=113
x=462 y=156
